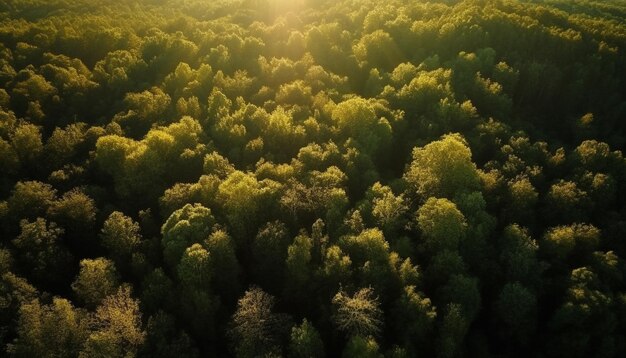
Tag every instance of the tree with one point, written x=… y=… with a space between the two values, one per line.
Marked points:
x=430 y=93
x=518 y=254
x=27 y=143
x=413 y=319
x=522 y=200
x=41 y=254
x=388 y=209
x=111 y=153
x=336 y=268
x=164 y=339
x=281 y=136
x=516 y=309
x=194 y=268
x=31 y=199
x=358 y=315
x=442 y=168
x=121 y=236
x=368 y=245
x=55 y=330
x=359 y=346
x=186 y=226
x=157 y=292
x=255 y=328
x=76 y=212
x=596 y=156
x=462 y=290
x=575 y=241
x=144 y=109
x=378 y=49
x=8 y=158
x=143 y=169
x=584 y=317
x=96 y=280
x=442 y=225
x=452 y=331
x=14 y=292
x=216 y=164
x=298 y=267
x=356 y=118
x=305 y=341
x=224 y=264
x=64 y=144
x=118 y=330
x=197 y=304
x=269 y=252
x=246 y=201
x=443 y=265
x=566 y=203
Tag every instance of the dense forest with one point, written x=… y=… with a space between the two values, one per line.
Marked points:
x=309 y=178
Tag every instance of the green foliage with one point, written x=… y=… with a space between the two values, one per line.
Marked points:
x=186 y=226
x=244 y=165
x=453 y=330
x=75 y=211
x=164 y=155
x=357 y=119
x=463 y=291
x=194 y=269
x=298 y=264
x=442 y=168
x=14 y=292
x=121 y=236
x=414 y=317
x=336 y=266
x=96 y=280
x=224 y=264
x=57 y=329
x=516 y=308
x=519 y=255
x=583 y=317
x=305 y=341
x=27 y=143
x=388 y=209
x=442 y=225
x=118 y=332
x=368 y=245
x=40 y=252
x=31 y=199
x=576 y=239
x=359 y=346
x=567 y=202
x=269 y=252
x=245 y=200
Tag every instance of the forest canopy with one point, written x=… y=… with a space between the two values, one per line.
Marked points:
x=310 y=178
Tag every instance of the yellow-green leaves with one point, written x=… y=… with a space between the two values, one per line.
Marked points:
x=188 y=225
x=442 y=225
x=356 y=118
x=96 y=280
x=442 y=168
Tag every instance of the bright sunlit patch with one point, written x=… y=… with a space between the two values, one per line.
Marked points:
x=279 y=7
x=285 y=5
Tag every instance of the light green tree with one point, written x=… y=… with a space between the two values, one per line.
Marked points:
x=442 y=168
x=442 y=225
x=96 y=280
x=305 y=341
x=186 y=226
